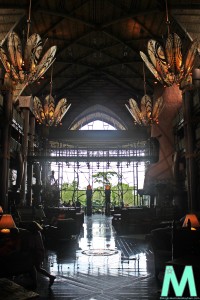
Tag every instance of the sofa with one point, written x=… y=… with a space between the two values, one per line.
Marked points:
x=134 y=220
x=62 y=223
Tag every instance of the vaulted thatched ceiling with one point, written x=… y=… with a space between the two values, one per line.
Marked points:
x=98 y=66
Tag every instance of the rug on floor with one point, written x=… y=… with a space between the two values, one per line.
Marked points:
x=12 y=291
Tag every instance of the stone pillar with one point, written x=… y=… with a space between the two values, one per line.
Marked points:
x=160 y=172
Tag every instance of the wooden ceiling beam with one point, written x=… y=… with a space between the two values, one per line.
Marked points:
x=129 y=16
x=66 y=16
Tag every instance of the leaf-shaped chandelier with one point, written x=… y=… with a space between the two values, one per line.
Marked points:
x=27 y=67
x=49 y=114
x=167 y=63
x=148 y=113
x=23 y=63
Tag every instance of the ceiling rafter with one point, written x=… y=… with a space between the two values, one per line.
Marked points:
x=60 y=71
x=73 y=84
x=101 y=69
x=66 y=16
x=99 y=62
x=65 y=47
x=136 y=19
x=115 y=80
x=81 y=37
x=129 y=15
x=121 y=82
x=13 y=27
x=117 y=59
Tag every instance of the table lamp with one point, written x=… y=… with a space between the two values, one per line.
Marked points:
x=191 y=221
x=6 y=223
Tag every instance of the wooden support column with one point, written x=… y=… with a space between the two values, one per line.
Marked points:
x=189 y=146
x=25 y=103
x=45 y=145
x=30 y=164
x=6 y=135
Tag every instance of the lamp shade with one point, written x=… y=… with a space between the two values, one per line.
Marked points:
x=6 y=222
x=192 y=218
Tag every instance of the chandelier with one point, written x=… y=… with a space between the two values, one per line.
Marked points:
x=49 y=114
x=167 y=63
x=25 y=68
x=23 y=63
x=148 y=113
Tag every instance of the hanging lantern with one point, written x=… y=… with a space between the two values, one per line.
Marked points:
x=148 y=113
x=49 y=114
x=25 y=68
x=167 y=63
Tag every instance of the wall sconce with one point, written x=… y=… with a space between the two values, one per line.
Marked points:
x=191 y=222
x=6 y=223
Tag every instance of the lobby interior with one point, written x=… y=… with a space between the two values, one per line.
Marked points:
x=133 y=66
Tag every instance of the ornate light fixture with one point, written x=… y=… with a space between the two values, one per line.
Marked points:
x=25 y=67
x=167 y=63
x=49 y=114
x=148 y=113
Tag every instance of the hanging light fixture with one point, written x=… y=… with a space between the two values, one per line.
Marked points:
x=25 y=67
x=148 y=112
x=50 y=114
x=167 y=63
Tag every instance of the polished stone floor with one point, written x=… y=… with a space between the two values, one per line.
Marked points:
x=100 y=265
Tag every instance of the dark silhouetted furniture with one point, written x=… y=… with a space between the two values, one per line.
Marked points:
x=15 y=255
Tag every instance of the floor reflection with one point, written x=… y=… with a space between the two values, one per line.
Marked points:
x=99 y=251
